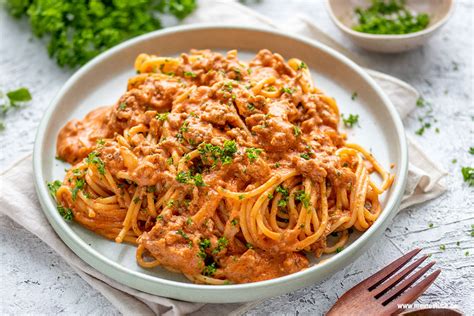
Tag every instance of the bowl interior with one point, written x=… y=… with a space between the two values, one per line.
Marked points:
x=343 y=11
x=103 y=80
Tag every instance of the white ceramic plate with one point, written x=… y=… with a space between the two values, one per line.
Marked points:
x=104 y=79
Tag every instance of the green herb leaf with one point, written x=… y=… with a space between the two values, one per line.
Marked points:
x=79 y=185
x=65 y=212
x=287 y=90
x=468 y=175
x=162 y=116
x=302 y=197
x=351 y=120
x=209 y=270
x=19 y=95
x=93 y=158
x=77 y=31
x=253 y=153
x=296 y=130
x=189 y=74
x=302 y=65
x=53 y=187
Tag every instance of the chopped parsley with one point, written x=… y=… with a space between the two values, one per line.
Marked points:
x=303 y=197
x=430 y=225
x=354 y=96
x=53 y=187
x=228 y=86
x=427 y=119
x=296 y=130
x=284 y=192
x=184 y=128
x=169 y=161
x=253 y=153
x=270 y=196
x=471 y=150
x=249 y=245
x=79 y=185
x=122 y=106
x=271 y=89
x=234 y=222
x=442 y=247
x=182 y=234
x=209 y=270
x=420 y=102
x=198 y=180
x=159 y=218
x=65 y=212
x=189 y=221
x=305 y=156
x=162 y=116
x=250 y=106
x=302 y=65
x=350 y=121
x=213 y=154
x=136 y=200
x=287 y=90
x=204 y=244
x=93 y=158
x=389 y=17
x=100 y=142
x=468 y=175
x=182 y=177
x=339 y=249
x=454 y=161
x=187 y=177
x=221 y=244
x=189 y=74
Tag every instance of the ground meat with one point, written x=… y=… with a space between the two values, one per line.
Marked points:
x=256 y=265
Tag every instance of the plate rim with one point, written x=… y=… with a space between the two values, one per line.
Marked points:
x=204 y=293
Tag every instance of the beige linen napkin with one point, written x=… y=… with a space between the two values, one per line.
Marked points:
x=18 y=198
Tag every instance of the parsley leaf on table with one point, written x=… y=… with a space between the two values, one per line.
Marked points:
x=12 y=99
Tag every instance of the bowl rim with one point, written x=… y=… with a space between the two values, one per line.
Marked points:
x=147 y=283
x=370 y=36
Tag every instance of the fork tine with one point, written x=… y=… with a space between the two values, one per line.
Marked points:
x=386 y=272
x=412 y=294
x=390 y=295
x=384 y=287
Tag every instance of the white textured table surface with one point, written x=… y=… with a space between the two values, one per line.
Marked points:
x=34 y=280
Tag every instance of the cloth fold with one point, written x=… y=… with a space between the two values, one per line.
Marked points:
x=19 y=201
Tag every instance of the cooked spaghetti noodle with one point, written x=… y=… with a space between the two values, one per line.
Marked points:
x=224 y=171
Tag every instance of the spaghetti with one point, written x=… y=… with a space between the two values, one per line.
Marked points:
x=224 y=171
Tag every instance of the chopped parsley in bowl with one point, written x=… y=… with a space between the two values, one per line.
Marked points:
x=389 y=17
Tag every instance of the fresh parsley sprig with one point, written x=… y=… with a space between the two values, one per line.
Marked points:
x=77 y=30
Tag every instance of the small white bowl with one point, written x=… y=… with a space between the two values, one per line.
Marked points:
x=342 y=14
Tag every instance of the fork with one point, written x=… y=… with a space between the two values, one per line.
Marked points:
x=380 y=294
